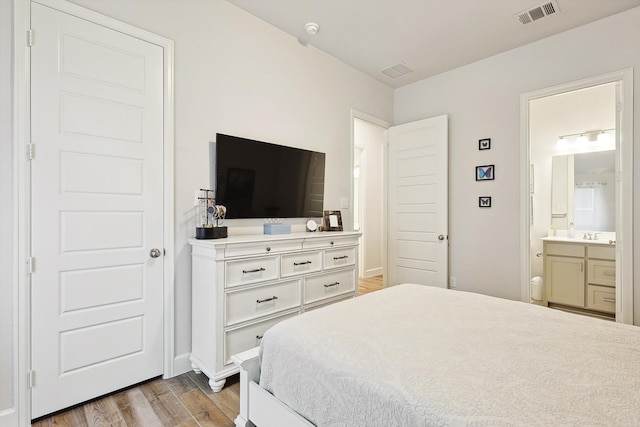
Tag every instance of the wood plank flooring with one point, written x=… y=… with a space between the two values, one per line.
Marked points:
x=185 y=400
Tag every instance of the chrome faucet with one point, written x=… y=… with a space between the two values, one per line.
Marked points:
x=587 y=236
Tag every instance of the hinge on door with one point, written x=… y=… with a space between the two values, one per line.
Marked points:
x=29 y=37
x=31 y=265
x=31 y=379
x=30 y=151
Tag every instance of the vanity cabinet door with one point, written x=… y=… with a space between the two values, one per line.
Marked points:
x=565 y=280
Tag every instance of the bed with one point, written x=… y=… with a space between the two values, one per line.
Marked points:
x=413 y=355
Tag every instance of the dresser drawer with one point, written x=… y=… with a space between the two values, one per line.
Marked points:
x=340 y=257
x=327 y=303
x=244 y=249
x=324 y=286
x=601 y=272
x=251 y=270
x=601 y=252
x=330 y=242
x=247 y=304
x=300 y=263
x=241 y=339
x=601 y=298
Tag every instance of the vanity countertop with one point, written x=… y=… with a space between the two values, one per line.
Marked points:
x=601 y=240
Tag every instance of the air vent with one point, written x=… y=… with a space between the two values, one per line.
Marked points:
x=400 y=69
x=538 y=12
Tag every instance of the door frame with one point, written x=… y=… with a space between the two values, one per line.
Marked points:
x=356 y=114
x=624 y=208
x=22 y=187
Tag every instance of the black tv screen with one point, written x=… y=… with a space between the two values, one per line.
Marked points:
x=262 y=180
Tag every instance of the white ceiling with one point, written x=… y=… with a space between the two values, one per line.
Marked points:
x=429 y=36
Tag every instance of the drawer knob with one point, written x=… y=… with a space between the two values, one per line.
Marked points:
x=268 y=248
x=332 y=284
x=331 y=243
x=341 y=257
x=302 y=263
x=259 y=337
x=257 y=270
x=273 y=298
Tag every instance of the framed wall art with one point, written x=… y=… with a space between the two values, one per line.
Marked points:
x=485 y=173
x=484 y=201
x=484 y=144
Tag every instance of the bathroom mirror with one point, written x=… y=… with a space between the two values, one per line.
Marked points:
x=583 y=191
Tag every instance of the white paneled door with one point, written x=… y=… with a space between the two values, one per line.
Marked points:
x=97 y=210
x=417 y=203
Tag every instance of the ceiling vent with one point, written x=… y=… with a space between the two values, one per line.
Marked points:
x=538 y=12
x=400 y=69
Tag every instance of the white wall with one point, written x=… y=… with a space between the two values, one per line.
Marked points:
x=371 y=138
x=8 y=343
x=482 y=100
x=237 y=75
x=549 y=118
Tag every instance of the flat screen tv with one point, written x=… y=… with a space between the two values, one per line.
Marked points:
x=255 y=179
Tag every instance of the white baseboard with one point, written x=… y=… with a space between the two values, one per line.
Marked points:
x=373 y=272
x=181 y=364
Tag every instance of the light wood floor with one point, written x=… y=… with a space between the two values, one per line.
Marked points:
x=185 y=400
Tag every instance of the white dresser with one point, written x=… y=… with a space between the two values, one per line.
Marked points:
x=243 y=285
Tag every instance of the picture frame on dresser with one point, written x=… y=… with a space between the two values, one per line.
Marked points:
x=332 y=221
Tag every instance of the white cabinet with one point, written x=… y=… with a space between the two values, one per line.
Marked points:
x=243 y=285
x=580 y=275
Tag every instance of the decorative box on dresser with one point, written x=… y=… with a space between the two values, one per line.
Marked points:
x=243 y=285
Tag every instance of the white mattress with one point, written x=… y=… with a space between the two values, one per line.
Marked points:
x=413 y=355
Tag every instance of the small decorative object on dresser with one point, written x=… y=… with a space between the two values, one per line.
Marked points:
x=332 y=221
x=209 y=217
x=245 y=284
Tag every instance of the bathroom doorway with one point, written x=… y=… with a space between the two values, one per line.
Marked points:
x=369 y=142
x=577 y=140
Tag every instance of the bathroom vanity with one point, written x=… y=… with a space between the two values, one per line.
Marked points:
x=580 y=275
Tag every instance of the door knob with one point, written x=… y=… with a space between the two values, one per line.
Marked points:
x=441 y=237
x=155 y=253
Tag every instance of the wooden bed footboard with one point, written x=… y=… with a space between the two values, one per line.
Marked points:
x=257 y=405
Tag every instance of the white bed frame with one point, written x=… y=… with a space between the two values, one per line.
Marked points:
x=258 y=406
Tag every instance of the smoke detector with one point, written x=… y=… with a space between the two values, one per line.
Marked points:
x=311 y=28
x=538 y=12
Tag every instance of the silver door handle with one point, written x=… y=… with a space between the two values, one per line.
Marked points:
x=155 y=253
x=441 y=237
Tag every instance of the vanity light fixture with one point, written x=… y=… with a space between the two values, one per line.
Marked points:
x=603 y=137
x=561 y=143
x=582 y=139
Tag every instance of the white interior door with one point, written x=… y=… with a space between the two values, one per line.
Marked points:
x=97 y=210
x=417 y=203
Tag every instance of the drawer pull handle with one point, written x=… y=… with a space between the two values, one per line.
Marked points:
x=302 y=263
x=259 y=337
x=257 y=270
x=609 y=299
x=259 y=301
x=609 y=273
x=340 y=257
x=332 y=284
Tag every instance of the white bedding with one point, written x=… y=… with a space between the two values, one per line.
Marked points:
x=413 y=355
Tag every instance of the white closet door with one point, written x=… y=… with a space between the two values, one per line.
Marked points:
x=97 y=210
x=417 y=203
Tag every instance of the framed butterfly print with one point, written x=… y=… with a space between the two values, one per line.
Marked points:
x=485 y=173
